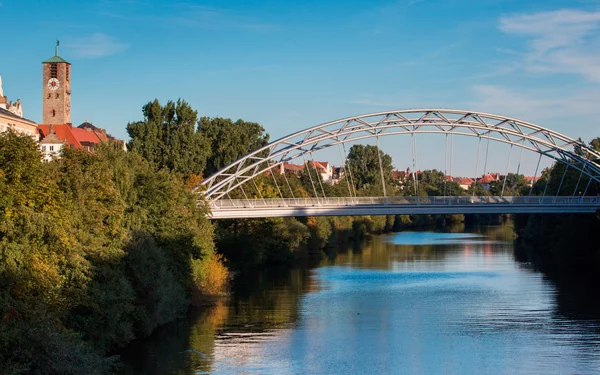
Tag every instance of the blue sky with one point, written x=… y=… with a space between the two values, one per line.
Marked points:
x=292 y=66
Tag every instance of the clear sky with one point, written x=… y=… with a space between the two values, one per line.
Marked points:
x=290 y=65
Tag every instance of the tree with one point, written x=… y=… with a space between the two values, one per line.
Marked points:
x=363 y=162
x=511 y=185
x=230 y=140
x=169 y=138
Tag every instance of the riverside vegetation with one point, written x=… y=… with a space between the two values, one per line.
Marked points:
x=99 y=249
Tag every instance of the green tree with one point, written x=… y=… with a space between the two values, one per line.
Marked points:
x=364 y=165
x=228 y=140
x=511 y=185
x=168 y=137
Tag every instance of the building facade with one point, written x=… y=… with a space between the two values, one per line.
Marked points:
x=11 y=117
x=56 y=113
x=56 y=90
x=51 y=146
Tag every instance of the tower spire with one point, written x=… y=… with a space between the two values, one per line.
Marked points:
x=57 y=44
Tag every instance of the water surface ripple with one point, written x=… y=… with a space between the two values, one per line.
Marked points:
x=407 y=303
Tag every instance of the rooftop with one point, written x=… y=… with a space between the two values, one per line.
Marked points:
x=56 y=58
x=7 y=113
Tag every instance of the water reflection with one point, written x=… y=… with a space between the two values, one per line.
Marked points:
x=415 y=303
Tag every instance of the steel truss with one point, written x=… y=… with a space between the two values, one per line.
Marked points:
x=496 y=128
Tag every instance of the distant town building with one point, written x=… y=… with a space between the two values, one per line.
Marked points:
x=324 y=169
x=399 y=175
x=74 y=138
x=56 y=113
x=288 y=168
x=51 y=146
x=11 y=116
x=56 y=90
x=338 y=174
x=531 y=180
x=487 y=179
x=464 y=182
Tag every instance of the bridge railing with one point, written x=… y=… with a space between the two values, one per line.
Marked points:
x=388 y=201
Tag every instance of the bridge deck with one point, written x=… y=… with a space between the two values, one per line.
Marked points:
x=274 y=207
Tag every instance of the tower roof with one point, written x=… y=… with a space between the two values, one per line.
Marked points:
x=56 y=58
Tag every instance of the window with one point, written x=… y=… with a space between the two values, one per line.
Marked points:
x=53 y=113
x=44 y=148
x=53 y=70
x=49 y=96
x=68 y=72
x=57 y=95
x=51 y=148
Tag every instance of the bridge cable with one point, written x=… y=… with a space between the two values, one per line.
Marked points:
x=349 y=170
x=232 y=201
x=277 y=185
x=414 y=165
x=519 y=165
x=343 y=159
x=506 y=171
x=380 y=165
x=287 y=181
x=451 y=157
x=549 y=175
x=310 y=176
x=320 y=178
x=578 y=181
x=417 y=166
x=534 y=176
x=487 y=149
x=244 y=191
x=445 y=164
x=561 y=181
x=588 y=185
x=477 y=164
x=259 y=193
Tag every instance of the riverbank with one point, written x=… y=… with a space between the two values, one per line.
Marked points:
x=560 y=244
x=433 y=296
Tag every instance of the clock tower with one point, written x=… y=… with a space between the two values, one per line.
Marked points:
x=56 y=90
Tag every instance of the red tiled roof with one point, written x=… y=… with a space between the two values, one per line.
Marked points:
x=398 y=174
x=292 y=167
x=70 y=135
x=464 y=180
x=320 y=164
x=83 y=135
x=488 y=178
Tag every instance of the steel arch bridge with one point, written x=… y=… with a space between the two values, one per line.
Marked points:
x=527 y=136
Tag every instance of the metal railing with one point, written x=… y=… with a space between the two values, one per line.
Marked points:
x=402 y=201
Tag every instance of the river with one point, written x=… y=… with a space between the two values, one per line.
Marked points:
x=403 y=303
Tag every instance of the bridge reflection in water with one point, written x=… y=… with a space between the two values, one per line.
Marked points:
x=340 y=206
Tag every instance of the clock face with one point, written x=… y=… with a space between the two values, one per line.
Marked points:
x=53 y=84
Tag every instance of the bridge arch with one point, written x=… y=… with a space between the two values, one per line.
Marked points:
x=496 y=128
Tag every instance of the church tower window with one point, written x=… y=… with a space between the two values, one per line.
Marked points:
x=53 y=70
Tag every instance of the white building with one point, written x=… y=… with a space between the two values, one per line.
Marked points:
x=325 y=170
x=11 y=117
x=51 y=146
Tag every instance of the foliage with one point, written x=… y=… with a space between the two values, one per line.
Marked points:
x=95 y=249
x=512 y=185
x=568 y=242
x=169 y=137
x=363 y=161
x=228 y=140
